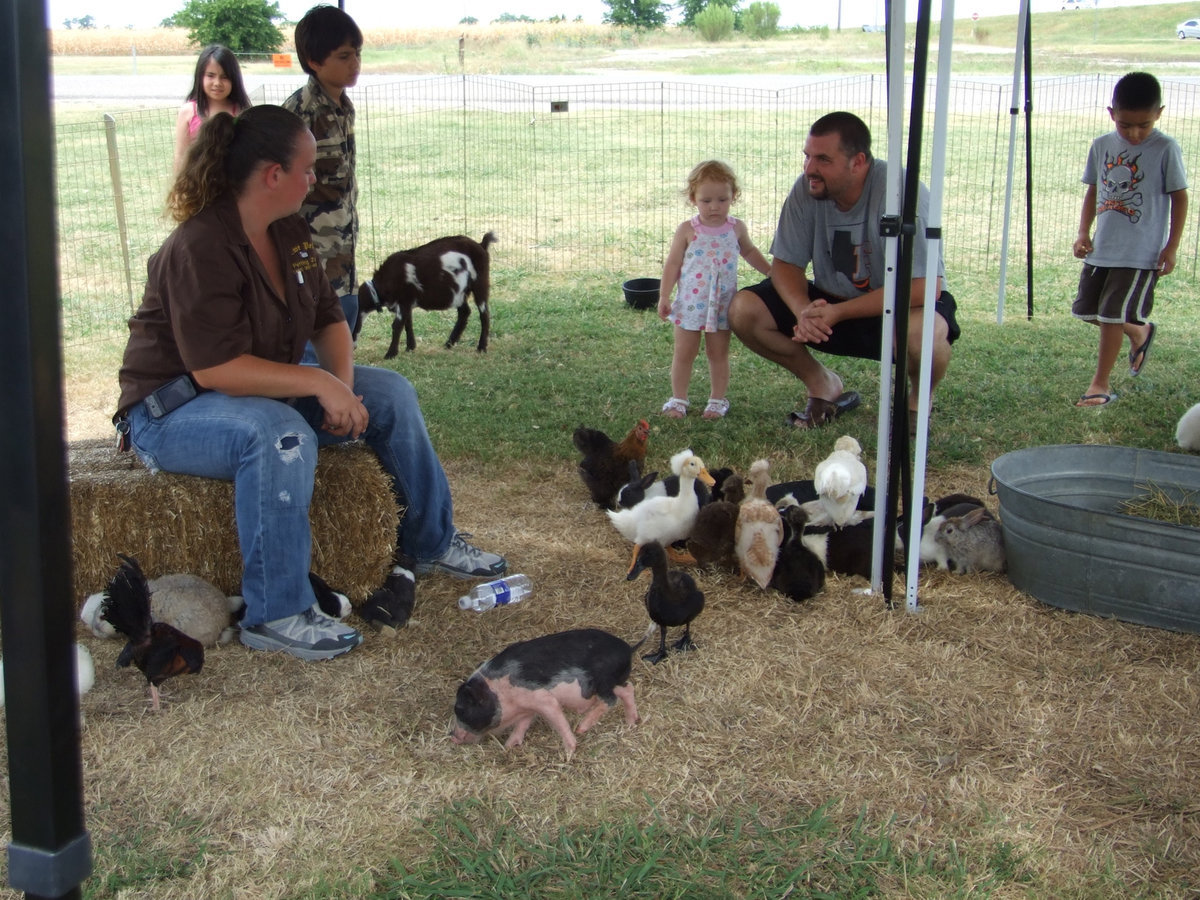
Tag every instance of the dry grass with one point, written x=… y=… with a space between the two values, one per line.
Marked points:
x=987 y=717
x=1178 y=507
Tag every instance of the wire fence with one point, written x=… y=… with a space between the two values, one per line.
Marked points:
x=585 y=180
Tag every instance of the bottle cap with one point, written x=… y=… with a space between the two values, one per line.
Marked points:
x=465 y=602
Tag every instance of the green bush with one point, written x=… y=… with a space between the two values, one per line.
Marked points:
x=692 y=8
x=760 y=20
x=715 y=23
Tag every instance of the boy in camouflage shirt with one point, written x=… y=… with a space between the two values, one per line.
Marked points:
x=329 y=47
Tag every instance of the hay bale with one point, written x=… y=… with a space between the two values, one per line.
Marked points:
x=184 y=524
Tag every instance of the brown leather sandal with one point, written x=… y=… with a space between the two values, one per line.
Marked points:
x=819 y=412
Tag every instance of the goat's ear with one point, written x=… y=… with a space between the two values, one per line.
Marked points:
x=366 y=298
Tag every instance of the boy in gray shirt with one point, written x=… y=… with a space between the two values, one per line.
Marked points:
x=1137 y=198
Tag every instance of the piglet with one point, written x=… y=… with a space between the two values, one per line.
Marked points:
x=585 y=670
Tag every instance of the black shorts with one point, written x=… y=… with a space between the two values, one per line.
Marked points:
x=1114 y=295
x=861 y=338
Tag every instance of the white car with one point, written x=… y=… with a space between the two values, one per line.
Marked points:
x=1077 y=4
x=1188 y=29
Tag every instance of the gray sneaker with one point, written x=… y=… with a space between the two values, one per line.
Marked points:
x=462 y=560
x=308 y=635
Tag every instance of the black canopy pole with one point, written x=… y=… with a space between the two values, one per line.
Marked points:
x=1028 y=164
x=901 y=465
x=50 y=852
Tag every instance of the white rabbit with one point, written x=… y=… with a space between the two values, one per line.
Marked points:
x=1187 y=434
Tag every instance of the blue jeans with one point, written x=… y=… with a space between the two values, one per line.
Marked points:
x=268 y=448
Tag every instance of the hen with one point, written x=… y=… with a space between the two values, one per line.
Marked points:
x=605 y=464
x=671 y=600
x=664 y=519
x=840 y=480
x=759 y=529
x=159 y=650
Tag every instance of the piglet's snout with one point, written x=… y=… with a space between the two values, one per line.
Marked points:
x=458 y=734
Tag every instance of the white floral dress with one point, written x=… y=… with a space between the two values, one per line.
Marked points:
x=708 y=278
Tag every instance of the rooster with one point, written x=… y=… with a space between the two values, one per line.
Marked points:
x=159 y=650
x=759 y=529
x=840 y=480
x=605 y=464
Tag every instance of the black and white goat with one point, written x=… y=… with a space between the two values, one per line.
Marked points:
x=437 y=275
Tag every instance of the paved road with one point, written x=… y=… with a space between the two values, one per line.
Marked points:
x=151 y=90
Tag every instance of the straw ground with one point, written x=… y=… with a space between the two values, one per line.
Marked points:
x=1019 y=750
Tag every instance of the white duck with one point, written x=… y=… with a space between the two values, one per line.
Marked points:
x=759 y=529
x=664 y=519
x=840 y=480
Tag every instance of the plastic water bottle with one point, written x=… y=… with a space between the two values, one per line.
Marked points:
x=501 y=592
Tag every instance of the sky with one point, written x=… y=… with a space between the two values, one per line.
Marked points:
x=390 y=13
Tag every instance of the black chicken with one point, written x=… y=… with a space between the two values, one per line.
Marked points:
x=672 y=599
x=159 y=650
x=605 y=464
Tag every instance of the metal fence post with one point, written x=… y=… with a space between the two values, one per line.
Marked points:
x=114 y=172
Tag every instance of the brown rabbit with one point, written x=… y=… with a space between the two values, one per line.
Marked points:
x=972 y=542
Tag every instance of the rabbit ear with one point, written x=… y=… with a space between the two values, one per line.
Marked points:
x=974 y=517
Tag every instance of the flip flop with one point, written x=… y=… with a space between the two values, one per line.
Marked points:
x=1143 y=351
x=1104 y=399
x=819 y=412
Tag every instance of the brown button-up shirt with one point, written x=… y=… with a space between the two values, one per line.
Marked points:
x=208 y=300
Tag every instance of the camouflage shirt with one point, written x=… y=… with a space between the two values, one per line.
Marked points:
x=331 y=205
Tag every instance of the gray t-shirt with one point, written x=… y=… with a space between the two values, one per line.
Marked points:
x=1133 y=204
x=845 y=248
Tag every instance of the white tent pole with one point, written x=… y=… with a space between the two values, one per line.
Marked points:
x=892 y=203
x=933 y=255
x=1014 y=111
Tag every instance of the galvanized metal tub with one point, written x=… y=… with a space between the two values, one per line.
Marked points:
x=1069 y=545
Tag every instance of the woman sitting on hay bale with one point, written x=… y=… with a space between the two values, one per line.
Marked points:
x=211 y=383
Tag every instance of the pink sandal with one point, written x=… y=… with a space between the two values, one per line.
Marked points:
x=716 y=409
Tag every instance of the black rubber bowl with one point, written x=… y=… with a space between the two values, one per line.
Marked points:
x=641 y=293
